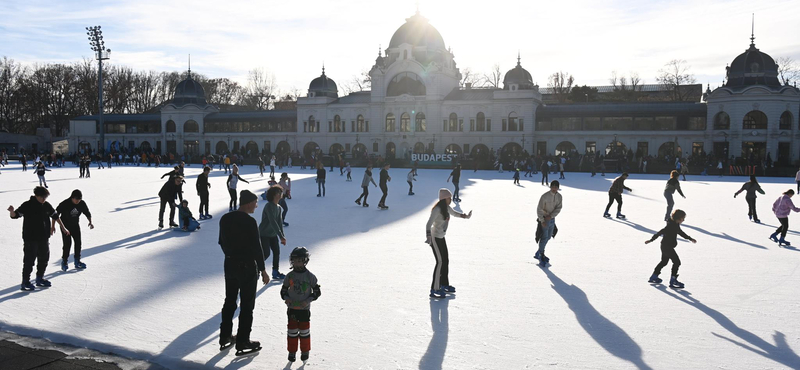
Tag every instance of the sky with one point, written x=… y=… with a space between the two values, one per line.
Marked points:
x=293 y=39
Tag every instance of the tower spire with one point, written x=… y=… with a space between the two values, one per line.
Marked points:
x=323 y=68
x=753 y=29
x=190 y=66
x=518 y=59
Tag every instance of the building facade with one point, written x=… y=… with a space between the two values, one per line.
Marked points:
x=416 y=105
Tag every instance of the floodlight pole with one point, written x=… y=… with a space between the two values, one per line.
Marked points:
x=98 y=46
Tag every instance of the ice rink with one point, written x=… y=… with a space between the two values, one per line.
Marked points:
x=156 y=295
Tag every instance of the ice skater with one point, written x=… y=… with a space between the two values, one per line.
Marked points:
x=365 y=186
x=669 y=241
x=167 y=194
x=751 y=187
x=37 y=228
x=410 y=178
x=516 y=176
x=40 y=171
x=261 y=166
x=271 y=229
x=615 y=193
x=232 y=182
x=186 y=219
x=383 y=181
x=69 y=211
x=244 y=261
x=545 y=173
x=549 y=207
x=782 y=207
x=669 y=192
x=299 y=289
x=348 y=170
x=435 y=231
x=272 y=166
x=286 y=183
x=321 y=174
x=797 y=180
x=456 y=176
x=203 y=187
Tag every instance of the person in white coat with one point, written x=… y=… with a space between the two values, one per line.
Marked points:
x=435 y=231
x=549 y=207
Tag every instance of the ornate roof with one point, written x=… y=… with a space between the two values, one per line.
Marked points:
x=519 y=76
x=189 y=91
x=323 y=86
x=417 y=32
x=752 y=68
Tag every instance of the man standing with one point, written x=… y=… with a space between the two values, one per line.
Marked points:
x=384 y=186
x=244 y=260
x=37 y=228
x=167 y=194
x=549 y=207
x=69 y=211
x=202 y=187
x=456 y=176
x=615 y=193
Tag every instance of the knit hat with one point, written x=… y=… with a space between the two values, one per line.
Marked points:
x=247 y=196
x=445 y=193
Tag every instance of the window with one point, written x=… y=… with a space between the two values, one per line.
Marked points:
x=406 y=83
x=420 y=123
x=755 y=120
x=481 y=122
x=642 y=148
x=466 y=148
x=444 y=125
x=338 y=124
x=592 y=123
x=191 y=126
x=591 y=147
x=313 y=124
x=488 y=125
x=505 y=125
x=461 y=125
x=786 y=121
x=697 y=148
x=452 y=149
x=722 y=121
x=472 y=124
x=375 y=147
x=697 y=123
x=564 y=148
x=617 y=123
x=452 y=123
x=566 y=123
x=643 y=123
x=170 y=126
x=390 y=122
x=405 y=122
x=512 y=121
x=360 y=126
x=542 y=147
x=521 y=124
x=665 y=123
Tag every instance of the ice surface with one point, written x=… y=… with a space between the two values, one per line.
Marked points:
x=156 y=295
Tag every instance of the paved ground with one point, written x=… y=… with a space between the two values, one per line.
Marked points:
x=23 y=353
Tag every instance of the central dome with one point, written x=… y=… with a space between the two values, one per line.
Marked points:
x=417 y=32
x=753 y=67
x=189 y=91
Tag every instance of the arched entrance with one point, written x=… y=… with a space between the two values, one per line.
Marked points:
x=84 y=147
x=283 y=148
x=222 y=147
x=453 y=149
x=479 y=151
x=309 y=149
x=666 y=149
x=616 y=148
x=512 y=150
x=336 y=149
x=391 y=150
x=564 y=148
x=404 y=146
x=359 y=151
x=251 y=149
x=145 y=147
x=419 y=148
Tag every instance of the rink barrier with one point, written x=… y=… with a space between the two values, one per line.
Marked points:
x=742 y=170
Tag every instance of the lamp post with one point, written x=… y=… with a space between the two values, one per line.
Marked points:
x=229 y=143
x=101 y=54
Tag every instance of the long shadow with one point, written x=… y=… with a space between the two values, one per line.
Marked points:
x=775 y=227
x=139 y=200
x=434 y=355
x=607 y=334
x=118 y=209
x=634 y=225
x=779 y=352
x=724 y=236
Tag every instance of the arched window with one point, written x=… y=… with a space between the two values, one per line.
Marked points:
x=419 y=148
x=190 y=126
x=145 y=147
x=452 y=149
x=479 y=151
x=338 y=125
x=309 y=149
x=512 y=121
x=666 y=149
x=390 y=122
x=391 y=150
x=406 y=83
x=170 y=126
x=359 y=150
x=755 y=120
x=722 y=121
x=786 y=121
x=511 y=150
x=222 y=147
x=251 y=149
x=405 y=122
x=481 y=122
x=452 y=122
x=420 y=126
x=313 y=125
x=336 y=149
x=564 y=148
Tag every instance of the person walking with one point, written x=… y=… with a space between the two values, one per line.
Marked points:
x=615 y=193
x=203 y=187
x=383 y=181
x=669 y=191
x=409 y=178
x=751 y=187
x=69 y=211
x=435 y=231
x=782 y=207
x=37 y=228
x=232 y=182
x=668 y=243
x=321 y=179
x=244 y=261
x=549 y=207
x=456 y=176
x=271 y=229
x=365 y=186
x=167 y=194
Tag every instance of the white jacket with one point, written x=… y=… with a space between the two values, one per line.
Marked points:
x=437 y=224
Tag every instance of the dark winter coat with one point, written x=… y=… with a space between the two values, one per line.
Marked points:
x=37 y=221
x=670 y=234
x=202 y=184
x=169 y=190
x=70 y=212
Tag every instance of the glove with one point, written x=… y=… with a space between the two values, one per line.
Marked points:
x=734 y=195
x=428 y=240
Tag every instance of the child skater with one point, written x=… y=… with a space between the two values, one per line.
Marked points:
x=668 y=244
x=435 y=231
x=188 y=222
x=411 y=177
x=349 y=178
x=300 y=288
x=516 y=176
x=782 y=207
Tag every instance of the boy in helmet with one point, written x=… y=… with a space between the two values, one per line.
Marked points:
x=299 y=289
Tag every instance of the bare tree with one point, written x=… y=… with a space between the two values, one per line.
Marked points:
x=674 y=76
x=469 y=77
x=261 y=87
x=360 y=82
x=12 y=77
x=560 y=83
x=636 y=81
x=223 y=91
x=613 y=80
x=788 y=70
x=492 y=79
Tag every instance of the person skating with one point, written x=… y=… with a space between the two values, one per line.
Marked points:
x=782 y=207
x=669 y=241
x=203 y=187
x=348 y=170
x=383 y=181
x=456 y=176
x=615 y=193
x=261 y=166
x=69 y=211
x=669 y=191
x=321 y=174
x=365 y=186
x=548 y=208
x=751 y=187
x=516 y=176
x=410 y=178
x=40 y=171
x=167 y=194
x=435 y=231
x=232 y=182
x=299 y=289
x=271 y=229
x=272 y=166
x=797 y=180
x=186 y=219
x=286 y=183
x=561 y=164
x=244 y=261
x=545 y=173
x=37 y=228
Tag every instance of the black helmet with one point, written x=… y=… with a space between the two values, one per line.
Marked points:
x=300 y=253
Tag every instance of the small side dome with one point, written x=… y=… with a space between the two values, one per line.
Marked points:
x=189 y=91
x=518 y=78
x=323 y=86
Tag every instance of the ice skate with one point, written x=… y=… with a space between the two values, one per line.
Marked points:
x=227 y=342
x=202 y=217
x=292 y=356
x=304 y=356
x=784 y=243
x=42 y=282
x=358 y=201
x=247 y=348
x=27 y=286
x=449 y=289
x=160 y=225
x=620 y=216
x=79 y=265
x=774 y=237
x=277 y=275
x=64 y=265
x=655 y=279
x=285 y=224
x=208 y=216
x=757 y=221
x=172 y=224
x=607 y=215
x=536 y=255
x=674 y=283
x=437 y=294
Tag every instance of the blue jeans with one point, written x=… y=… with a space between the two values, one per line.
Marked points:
x=455 y=193
x=670 y=204
x=547 y=233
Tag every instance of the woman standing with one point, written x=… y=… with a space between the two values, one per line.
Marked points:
x=365 y=186
x=782 y=207
x=751 y=187
x=233 y=180
x=320 y=179
x=40 y=170
x=435 y=231
x=669 y=191
x=272 y=166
